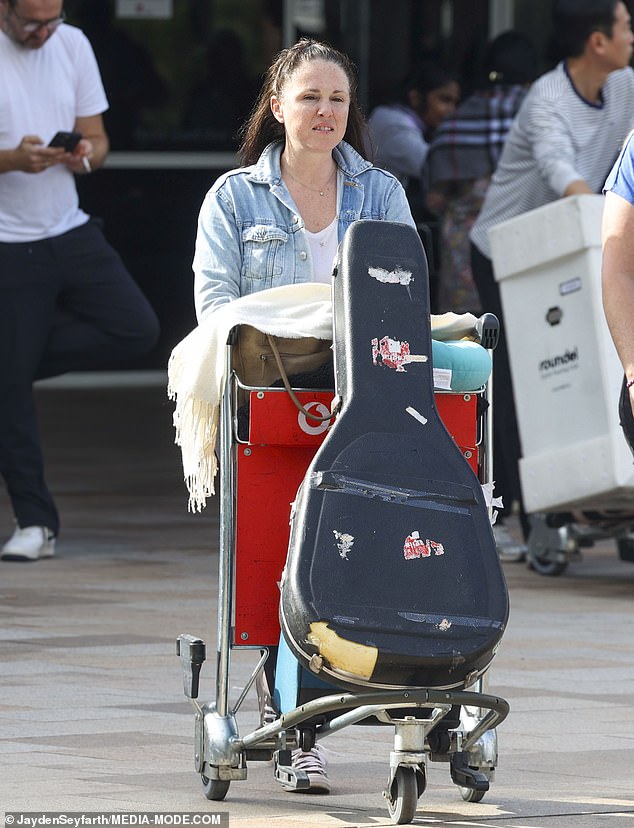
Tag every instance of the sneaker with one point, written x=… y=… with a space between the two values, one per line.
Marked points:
x=313 y=763
x=29 y=544
x=268 y=714
x=268 y=711
x=508 y=548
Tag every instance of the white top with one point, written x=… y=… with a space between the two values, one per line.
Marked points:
x=323 y=249
x=557 y=137
x=42 y=91
x=323 y=245
x=398 y=141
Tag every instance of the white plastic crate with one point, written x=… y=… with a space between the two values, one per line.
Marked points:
x=566 y=373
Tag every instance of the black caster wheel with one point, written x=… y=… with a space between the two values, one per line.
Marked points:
x=305 y=738
x=547 y=567
x=469 y=795
x=404 y=791
x=215 y=789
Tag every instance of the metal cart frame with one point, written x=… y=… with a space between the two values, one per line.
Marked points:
x=221 y=754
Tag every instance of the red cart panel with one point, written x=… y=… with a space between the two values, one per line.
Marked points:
x=282 y=442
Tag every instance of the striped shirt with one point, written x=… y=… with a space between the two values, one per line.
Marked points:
x=468 y=144
x=557 y=137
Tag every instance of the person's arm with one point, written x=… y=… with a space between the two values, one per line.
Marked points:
x=30 y=156
x=551 y=139
x=217 y=261
x=398 y=208
x=93 y=148
x=33 y=156
x=578 y=187
x=618 y=278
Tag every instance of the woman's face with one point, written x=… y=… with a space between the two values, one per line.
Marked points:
x=313 y=106
x=440 y=103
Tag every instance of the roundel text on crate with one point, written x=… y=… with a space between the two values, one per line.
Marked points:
x=560 y=363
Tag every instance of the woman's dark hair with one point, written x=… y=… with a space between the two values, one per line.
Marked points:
x=511 y=58
x=261 y=127
x=575 y=20
x=425 y=78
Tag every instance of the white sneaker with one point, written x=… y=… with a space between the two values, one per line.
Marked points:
x=29 y=544
x=313 y=763
x=268 y=714
x=508 y=548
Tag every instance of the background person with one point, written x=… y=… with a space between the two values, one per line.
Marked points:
x=463 y=155
x=402 y=128
x=278 y=220
x=563 y=142
x=617 y=274
x=399 y=135
x=66 y=300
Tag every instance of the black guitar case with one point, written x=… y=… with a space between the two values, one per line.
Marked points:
x=392 y=577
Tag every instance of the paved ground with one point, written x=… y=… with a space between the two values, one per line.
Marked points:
x=92 y=716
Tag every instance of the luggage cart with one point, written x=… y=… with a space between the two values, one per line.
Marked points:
x=454 y=721
x=557 y=539
x=576 y=472
x=259 y=476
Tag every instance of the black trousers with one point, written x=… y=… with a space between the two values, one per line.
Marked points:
x=66 y=303
x=506 y=438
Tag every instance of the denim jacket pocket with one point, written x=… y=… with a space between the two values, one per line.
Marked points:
x=264 y=248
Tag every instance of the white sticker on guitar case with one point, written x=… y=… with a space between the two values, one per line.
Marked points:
x=344 y=542
x=391 y=277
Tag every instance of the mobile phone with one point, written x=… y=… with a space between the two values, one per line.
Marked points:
x=66 y=140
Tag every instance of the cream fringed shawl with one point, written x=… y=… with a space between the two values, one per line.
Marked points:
x=196 y=369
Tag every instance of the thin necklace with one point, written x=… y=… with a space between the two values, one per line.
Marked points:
x=312 y=189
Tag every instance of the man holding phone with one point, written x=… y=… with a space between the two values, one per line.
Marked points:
x=66 y=300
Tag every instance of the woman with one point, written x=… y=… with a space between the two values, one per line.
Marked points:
x=401 y=130
x=278 y=220
x=618 y=273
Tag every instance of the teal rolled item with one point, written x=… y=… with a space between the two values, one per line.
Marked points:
x=469 y=363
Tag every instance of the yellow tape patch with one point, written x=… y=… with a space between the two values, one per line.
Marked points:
x=347 y=656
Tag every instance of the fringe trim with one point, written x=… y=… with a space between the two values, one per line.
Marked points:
x=196 y=426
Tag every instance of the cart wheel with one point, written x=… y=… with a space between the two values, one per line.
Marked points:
x=215 y=789
x=544 y=566
x=306 y=738
x=469 y=795
x=404 y=792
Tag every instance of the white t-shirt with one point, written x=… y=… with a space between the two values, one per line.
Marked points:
x=323 y=249
x=42 y=91
x=323 y=245
x=398 y=142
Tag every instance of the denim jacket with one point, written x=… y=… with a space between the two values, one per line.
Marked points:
x=251 y=236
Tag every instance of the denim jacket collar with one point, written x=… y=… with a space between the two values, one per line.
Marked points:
x=267 y=169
